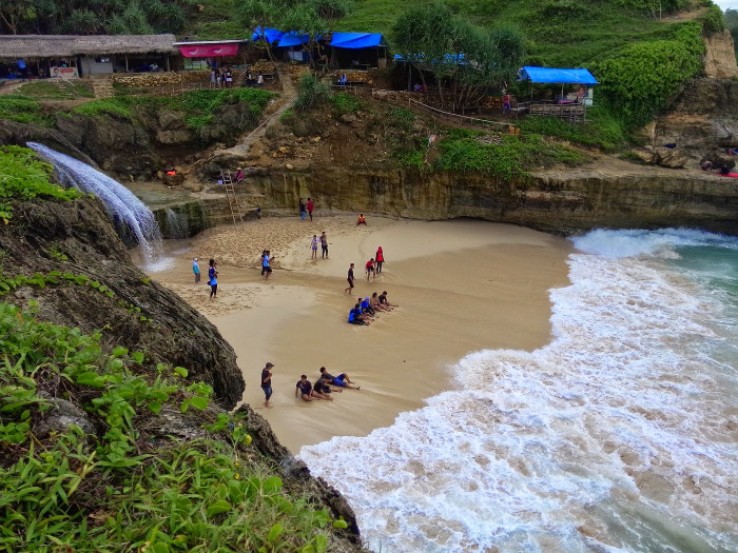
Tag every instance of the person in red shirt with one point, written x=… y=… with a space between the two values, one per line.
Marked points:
x=310 y=208
x=370 y=268
x=360 y=220
x=379 y=257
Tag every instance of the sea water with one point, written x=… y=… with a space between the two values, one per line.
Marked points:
x=621 y=435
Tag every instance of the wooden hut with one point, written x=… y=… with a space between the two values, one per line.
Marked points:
x=78 y=55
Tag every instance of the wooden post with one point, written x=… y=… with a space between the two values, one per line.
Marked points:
x=126 y=58
x=168 y=68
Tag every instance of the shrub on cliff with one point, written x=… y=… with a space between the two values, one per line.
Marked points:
x=311 y=92
x=89 y=462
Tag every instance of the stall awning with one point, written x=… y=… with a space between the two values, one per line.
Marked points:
x=552 y=75
x=356 y=41
x=293 y=39
x=270 y=35
x=213 y=50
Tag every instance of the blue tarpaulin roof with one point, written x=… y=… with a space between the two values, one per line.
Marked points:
x=554 y=75
x=293 y=39
x=356 y=41
x=270 y=35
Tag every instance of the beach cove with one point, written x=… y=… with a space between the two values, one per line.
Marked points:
x=461 y=286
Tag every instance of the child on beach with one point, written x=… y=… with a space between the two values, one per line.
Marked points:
x=266 y=264
x=314 y=247
x=266 y=382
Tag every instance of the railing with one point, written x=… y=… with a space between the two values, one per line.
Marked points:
x=497 y=125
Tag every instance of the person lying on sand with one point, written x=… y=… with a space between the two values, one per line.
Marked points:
x=323 y=385
x=342 y=380
x=304 y=390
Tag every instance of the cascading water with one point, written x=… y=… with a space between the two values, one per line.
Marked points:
x=132 y=218
x=177 y=224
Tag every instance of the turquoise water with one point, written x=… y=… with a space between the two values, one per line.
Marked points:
x=621 y=435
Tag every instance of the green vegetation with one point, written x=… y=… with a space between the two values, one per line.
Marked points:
x=311 y=92
x=601 y=130
x=57 y=89
x=24 y=177
x=117 y=484
x=201 y=106
x=23 y=110
x=731 y=23
x=344 y=103
x=512 y=157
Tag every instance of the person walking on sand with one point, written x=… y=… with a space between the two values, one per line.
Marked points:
x=310 y=207
x=369 y=267
x=342 y=380
x=266 y=382
x=304 y=390
x=379 y=257
x=266 y=264
x=350 y=280
x=303 y=210
x=213 y=278
x=324 y=245
x=196 y=270
x=314 y=246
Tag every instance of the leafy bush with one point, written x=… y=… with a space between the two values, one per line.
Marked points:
x=712 y=20
x=639 y=80
x=311 y=92
x=121 y=487
x=343 y=103
x=601 y=129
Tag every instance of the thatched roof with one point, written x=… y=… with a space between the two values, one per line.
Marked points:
x=60 y=46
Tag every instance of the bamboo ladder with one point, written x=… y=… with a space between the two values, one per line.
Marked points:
x=231 y=195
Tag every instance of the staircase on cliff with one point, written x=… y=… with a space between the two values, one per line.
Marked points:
x=102 y=86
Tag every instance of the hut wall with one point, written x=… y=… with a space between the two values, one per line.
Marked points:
x=90 y=65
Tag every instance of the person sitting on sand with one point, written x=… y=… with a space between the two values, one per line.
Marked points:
x=356 y=317
x=369 y=268
x=376 y=305
x=304 y=390
x=360 y=220
x=342 y=380
x=366 y=307
x=384 y=302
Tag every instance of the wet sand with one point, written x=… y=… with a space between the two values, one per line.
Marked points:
x=461 y=286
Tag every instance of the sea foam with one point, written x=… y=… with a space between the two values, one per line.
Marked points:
x=620 y=435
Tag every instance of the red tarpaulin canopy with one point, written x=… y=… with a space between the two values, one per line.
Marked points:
x=209 y=50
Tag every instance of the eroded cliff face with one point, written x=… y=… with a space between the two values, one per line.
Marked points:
x=609 y=193
x=76 y=238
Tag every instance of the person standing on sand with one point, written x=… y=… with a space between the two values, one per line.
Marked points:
x=303 y=210
x=213 y=278
x=314 y=247
x=324 y=245
x=196 y=270
x=266 y=264
x=350 y=279
x=310 y=208
x=379 y=257
x=266 y=382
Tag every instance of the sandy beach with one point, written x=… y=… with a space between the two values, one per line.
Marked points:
x=461 y=286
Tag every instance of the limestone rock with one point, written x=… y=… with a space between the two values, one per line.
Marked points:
x=61 y=415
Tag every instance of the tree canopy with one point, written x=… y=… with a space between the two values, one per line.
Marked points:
x=466 y=61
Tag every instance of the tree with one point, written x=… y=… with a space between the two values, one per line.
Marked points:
x=731 y=23
x=466 y=60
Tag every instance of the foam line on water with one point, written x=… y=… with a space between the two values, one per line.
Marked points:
x=618 y=436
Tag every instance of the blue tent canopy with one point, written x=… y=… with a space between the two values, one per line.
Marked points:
x=270 y=35
x=356 y=41
x=293 y=38
x=553 y=75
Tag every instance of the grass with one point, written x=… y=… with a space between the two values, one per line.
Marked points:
x=23 y=176
x=120 y=486
x=23 y=110
x=601 y=130
x=53 y=89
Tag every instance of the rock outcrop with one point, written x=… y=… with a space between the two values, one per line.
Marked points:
x=77 y=238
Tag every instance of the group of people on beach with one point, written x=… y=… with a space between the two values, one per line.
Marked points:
x=321 y=241
x=324 y=386
x=306 y=209
x=365 y=310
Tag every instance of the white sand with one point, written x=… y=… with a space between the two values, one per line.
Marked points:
x=461 y=285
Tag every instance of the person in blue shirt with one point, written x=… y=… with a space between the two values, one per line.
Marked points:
x=366 y=307
x=196 y=270
x=213 y=278
x=356 y=317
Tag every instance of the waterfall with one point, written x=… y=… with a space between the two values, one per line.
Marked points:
x=177 y=224
x=133 y=220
